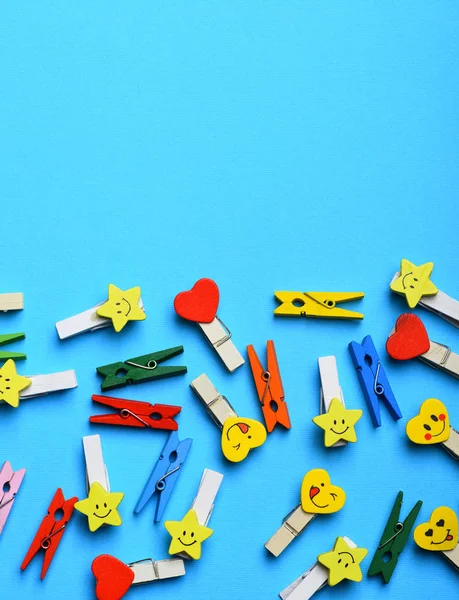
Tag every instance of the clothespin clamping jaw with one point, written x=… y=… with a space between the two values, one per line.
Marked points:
x=316 y=304
x=121 y=307
x=14 y=301
x=318 y=496
x=373 y=380
x=269 y=387
x=432 y=426
x=165 y=474
x=440 y=534
x=239 y=435
x=409 y=339
x=10 y=482
x=200 y=305
x=101 y=505
x=393 y=540
x=8 y=339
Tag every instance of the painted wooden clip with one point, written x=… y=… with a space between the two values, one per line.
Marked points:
x=414 y=283
x=101 y=505
x=393 y=540
x=316 y=304
x=121 y=307
x=10 y=482
x=9 y=338
x=14 y=301
x=114 y=578
x=50 y=532
x=440 y=534
x=337 y=422
x=239 y=435
x=343 y=562
x=189 y=533
x=269 y=387
x=200 y=305
x=432 y=426
x=318 y=496
x=409 y=339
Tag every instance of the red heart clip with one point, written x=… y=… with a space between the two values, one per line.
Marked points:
x=113 y=577
x=200 y=303
x=409 y=339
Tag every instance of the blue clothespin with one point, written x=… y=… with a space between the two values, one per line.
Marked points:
x=165 y=474
x=373 y=380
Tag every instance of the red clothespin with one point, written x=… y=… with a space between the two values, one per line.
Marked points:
x=50 y=532
x=269 y=388
x=132 y=413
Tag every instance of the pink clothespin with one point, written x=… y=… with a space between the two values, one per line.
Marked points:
x=10 y=482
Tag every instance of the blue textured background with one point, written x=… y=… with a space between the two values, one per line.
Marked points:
x=295 y=145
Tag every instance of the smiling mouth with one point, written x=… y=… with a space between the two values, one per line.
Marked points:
x=183 y=543
x=237 y=446
x=437 y=434
x=104 y=516
x=129 y=305
x=448 y=538
x=403 y=280
x=339 y=432
x=313 y=492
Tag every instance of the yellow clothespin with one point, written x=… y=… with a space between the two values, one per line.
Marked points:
x=316 y=304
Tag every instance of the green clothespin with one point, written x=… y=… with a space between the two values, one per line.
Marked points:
x=393 y=540
x=140 y=369
x=8 y=338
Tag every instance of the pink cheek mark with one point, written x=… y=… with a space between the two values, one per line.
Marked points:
x=428 y=436
x=442 y=417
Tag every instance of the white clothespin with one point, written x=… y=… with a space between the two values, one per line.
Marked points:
x=216 y=405
x=149 y=570
x=13 y=301
x=46 y=384
x=453 y=556
x=219 y=337
x=96 y=471
x=293 y=524
x=330 y=387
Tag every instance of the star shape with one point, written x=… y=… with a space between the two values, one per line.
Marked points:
x=338 y=423
x=343 y=562
x=414 y=282
x=12 y=384
x=122 y=306
x=187 y=535
x=100 y=507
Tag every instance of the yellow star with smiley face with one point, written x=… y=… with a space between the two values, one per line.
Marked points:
x=100 y=507
x=414 y=282
x=122 y=306
x=338 y=423
x=343 y=562
x=187 y=535
x=12 y=384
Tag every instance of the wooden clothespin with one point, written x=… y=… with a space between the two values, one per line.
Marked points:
x=114 y=578
x=316 y=304
x=409 y=339
x=10 y=482
x=101 y=505
x=393 y=540
x=414 y=283
x=432 y=426
x=318 y=496
x=189 y=533
x=239 y=435
x=337 y=422
x=440 y=534
x=121 y=307
x=373 y=380
x=9 y=338
x=200 y=305
x=343 y=562
x=14 y=301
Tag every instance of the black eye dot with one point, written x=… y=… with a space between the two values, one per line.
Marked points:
x=339 y=561
x=322 y=484
x=441 y=523
x=192 y=534
x=343 y=421
x=346 y=565
x=334 y=422
x=118 y=304
x=434 y=418
x=412 y=287
x=184 y=532
x=105 y=504
x=7 y=379
x=415 y=279
x=118 y=312
x=249 y=437
x=8 y=388
x=427 y=427
x=97 y=507
x=429 y=533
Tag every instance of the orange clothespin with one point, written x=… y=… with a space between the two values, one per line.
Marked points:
x=269 y=388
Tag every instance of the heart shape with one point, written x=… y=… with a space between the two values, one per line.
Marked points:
x=440 y=532
x=431 y=425
x=200 y=303
x=113 y=577
x=409 y=339
x=241 y=435
x=318 y=495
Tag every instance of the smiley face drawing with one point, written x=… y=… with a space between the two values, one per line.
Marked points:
x=431 y=425
x=318 y=495
x=338 y=423
x=414 y=282
x=241 y=435
x=440 y=532
x=122 y=306
x=187 y=535
x=100 y=507
x=343 y=562
x=12 y=384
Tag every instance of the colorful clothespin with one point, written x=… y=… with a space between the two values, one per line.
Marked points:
x=101 y=505
x=165 y=474
x=343 y=562
x=14 y=301
x=140 y=369
x=316 y=304
x=269 y=387
x=393 y=540
x=132 y=413
x=239 y=435
x=114 y=578
x=432 y=426
x=10 y=482
x=50 y=532
x=318 y=496
x=409 y=339
x=440 y=534
x=189 y=533
x=200 y=305
x=121 y=307
x=9 y=338
x=337 y=422
x=373 y=380
x=414 y=283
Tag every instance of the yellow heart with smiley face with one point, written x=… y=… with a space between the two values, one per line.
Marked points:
x=431 y=425
x=241 y=435
x=440 y=532
x=318 y=495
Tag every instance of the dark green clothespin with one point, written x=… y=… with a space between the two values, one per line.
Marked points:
x=8 y=338
x=140 y=369
x=393 y=540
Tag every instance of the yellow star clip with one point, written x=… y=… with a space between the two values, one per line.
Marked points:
x=343 y=562
x=12 y=384
x=100 y=507
x=187 y=535
x=414 y=282
x=122 y=306
x=338 y=423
